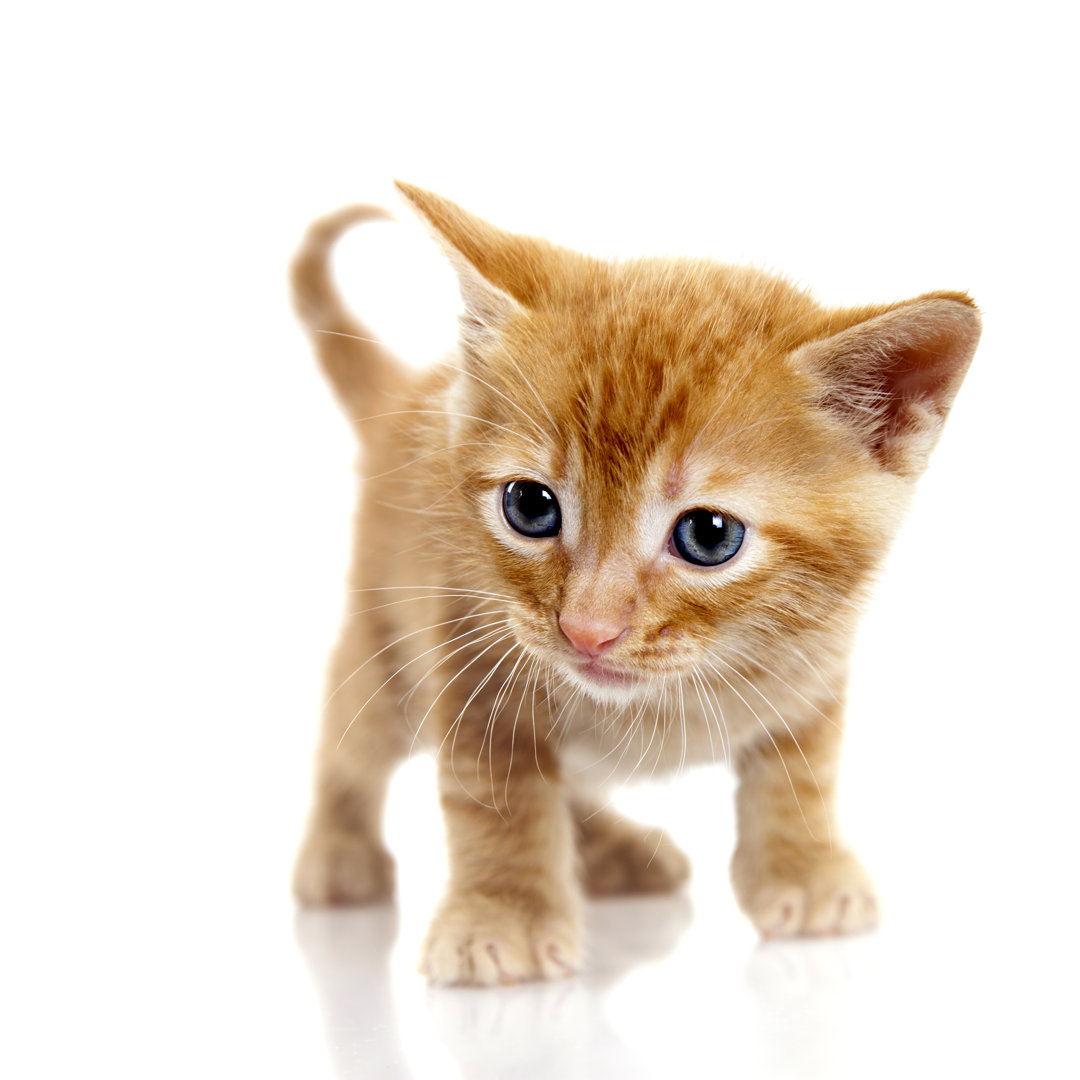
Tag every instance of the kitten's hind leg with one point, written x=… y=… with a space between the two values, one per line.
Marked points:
x=343 y=859
x=619 y=856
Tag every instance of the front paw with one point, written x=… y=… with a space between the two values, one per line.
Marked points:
x=827 y=895
x=477 y=940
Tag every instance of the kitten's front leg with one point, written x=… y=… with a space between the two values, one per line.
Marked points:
x=513 y=908
x=790 y=871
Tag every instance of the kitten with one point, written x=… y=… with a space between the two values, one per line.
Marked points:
x=627 y=527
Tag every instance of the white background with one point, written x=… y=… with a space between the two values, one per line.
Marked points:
x=176 y=489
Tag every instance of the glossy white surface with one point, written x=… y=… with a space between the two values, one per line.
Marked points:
x=202 y=968
x=177 y=487
x=679 y=987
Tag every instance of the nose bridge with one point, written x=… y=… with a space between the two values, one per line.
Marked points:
x=605 y=533
x=609 y=587
x=598 y=605
x=600 y=586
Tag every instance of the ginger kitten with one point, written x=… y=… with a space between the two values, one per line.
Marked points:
x=628 y=526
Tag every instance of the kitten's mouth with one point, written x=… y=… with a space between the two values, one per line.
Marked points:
x=601 y=674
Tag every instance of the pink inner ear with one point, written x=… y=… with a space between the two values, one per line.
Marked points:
x=894 y=376
x=926 y=371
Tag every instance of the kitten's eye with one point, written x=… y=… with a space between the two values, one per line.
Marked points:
x=531 y=509
x=706 y=538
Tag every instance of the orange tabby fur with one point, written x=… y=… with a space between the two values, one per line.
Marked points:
x=635 y=392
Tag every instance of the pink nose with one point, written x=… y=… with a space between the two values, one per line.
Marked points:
x=591 y=637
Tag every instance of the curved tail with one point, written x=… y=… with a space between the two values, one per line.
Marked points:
x=361 y=370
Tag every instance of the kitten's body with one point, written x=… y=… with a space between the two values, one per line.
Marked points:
x=543 y=668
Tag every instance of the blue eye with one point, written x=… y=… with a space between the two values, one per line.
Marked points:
x=531 y=509
x=706 y=538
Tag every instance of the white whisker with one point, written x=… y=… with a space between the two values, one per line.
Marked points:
x=397 y=641
x=408 y=663
x=455 y=725
x=787 y=772
x=772 y=674
x=513 y=404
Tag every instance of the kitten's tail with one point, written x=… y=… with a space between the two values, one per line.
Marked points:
x=361 y=370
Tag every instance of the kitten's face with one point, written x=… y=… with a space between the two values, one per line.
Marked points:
x=658 y=491
x=675 y=467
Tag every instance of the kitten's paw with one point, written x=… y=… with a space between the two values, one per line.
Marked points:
x=620 y=857
x=338 y=867
x=832 y=895
x=478 y=941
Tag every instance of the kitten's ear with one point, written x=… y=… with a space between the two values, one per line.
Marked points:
x=893 y=373
x=500 y=272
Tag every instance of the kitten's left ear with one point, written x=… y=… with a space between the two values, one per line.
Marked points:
x=893 y=373
x=500 y=272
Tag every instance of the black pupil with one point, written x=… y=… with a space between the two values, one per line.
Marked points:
x=531 y=509
x=706 y=538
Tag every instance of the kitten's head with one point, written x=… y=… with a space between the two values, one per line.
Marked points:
x=672 y=464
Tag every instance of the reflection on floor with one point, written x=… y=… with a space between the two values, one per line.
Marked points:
x=632 y=1012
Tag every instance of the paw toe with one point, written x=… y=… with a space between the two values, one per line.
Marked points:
x=834 y=896
x=483 y=945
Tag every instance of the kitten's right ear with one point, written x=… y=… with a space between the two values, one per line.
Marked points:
x=500 y=273
x=892 y=373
